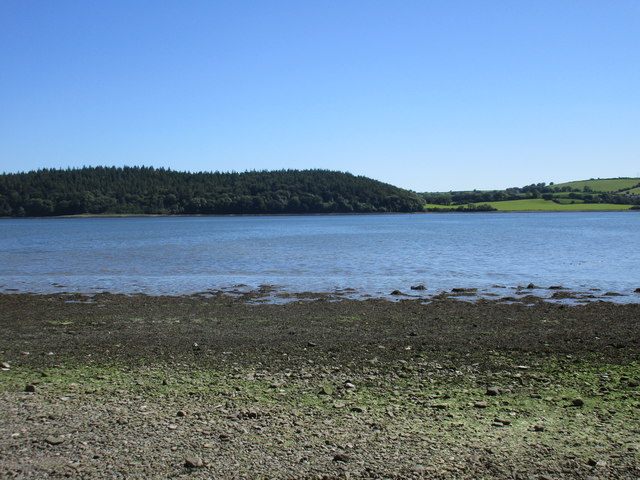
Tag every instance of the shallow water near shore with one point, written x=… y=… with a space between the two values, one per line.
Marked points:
x=352 y=255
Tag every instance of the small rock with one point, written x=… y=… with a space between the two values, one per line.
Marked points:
x=325 y=390
x=480 y=405
x=341 y=457
x=181 y=413
x=349 y=385
x=531 y=286
x=396 y=292
x=418 y=469
x=577 y=402
x=5 y=366
x=502 y=421
x=52 y=440
x=418 y=287
x=311 y=344
x=634 y=384
x=538 y=428
x=637 y=290
x=556 y=287
x=30 y=388
x=357 y=409
x=339 y=405
x=439 y=406
x=224 y=437
x=493 y=391
x=193 y=461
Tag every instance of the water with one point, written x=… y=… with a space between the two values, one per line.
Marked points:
x=372 y=254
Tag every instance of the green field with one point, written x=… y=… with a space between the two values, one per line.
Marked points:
x=602 y=185
x=633 y=191
x=538 y=204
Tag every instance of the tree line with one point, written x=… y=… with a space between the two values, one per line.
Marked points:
x=148 y=190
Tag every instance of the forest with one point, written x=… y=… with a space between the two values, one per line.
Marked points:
x=148 y=190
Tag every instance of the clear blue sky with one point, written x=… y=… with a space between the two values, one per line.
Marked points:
x=424 y=94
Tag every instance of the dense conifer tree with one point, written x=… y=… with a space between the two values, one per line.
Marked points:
x=147 y=190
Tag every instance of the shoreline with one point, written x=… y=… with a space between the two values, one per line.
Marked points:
x=275 y=295
x=213 y=387
x=160 y=215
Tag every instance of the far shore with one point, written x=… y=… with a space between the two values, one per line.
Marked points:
x=158 y=215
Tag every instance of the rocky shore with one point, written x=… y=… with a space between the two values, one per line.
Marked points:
x=217 y=386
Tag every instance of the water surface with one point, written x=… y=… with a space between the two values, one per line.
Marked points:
x=372 y=254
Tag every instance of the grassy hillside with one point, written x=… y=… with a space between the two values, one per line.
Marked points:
x=538 y=204
x=585 y=195
x=607 y=185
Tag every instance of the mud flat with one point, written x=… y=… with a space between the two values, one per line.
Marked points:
x=213 y=386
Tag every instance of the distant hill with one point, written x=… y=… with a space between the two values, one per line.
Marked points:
x=604 y=185
x=594 y=194
x=146 y=190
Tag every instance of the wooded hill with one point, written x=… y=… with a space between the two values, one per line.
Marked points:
x=147 y=190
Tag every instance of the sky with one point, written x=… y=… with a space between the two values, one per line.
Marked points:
x=429 y=95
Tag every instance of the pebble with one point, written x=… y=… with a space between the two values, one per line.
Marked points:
x=193 y=461
x=30 y=388
x=326 y=390
x=52 y=440
x=181 y=413
x=577 y=402
x=493 y=391
x=341 y=457
x=480 y=405
x=5 y=366
x=538 y=428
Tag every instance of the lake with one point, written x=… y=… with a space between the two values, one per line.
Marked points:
x=371 y=254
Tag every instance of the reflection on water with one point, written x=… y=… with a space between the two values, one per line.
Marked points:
x=371 y=254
